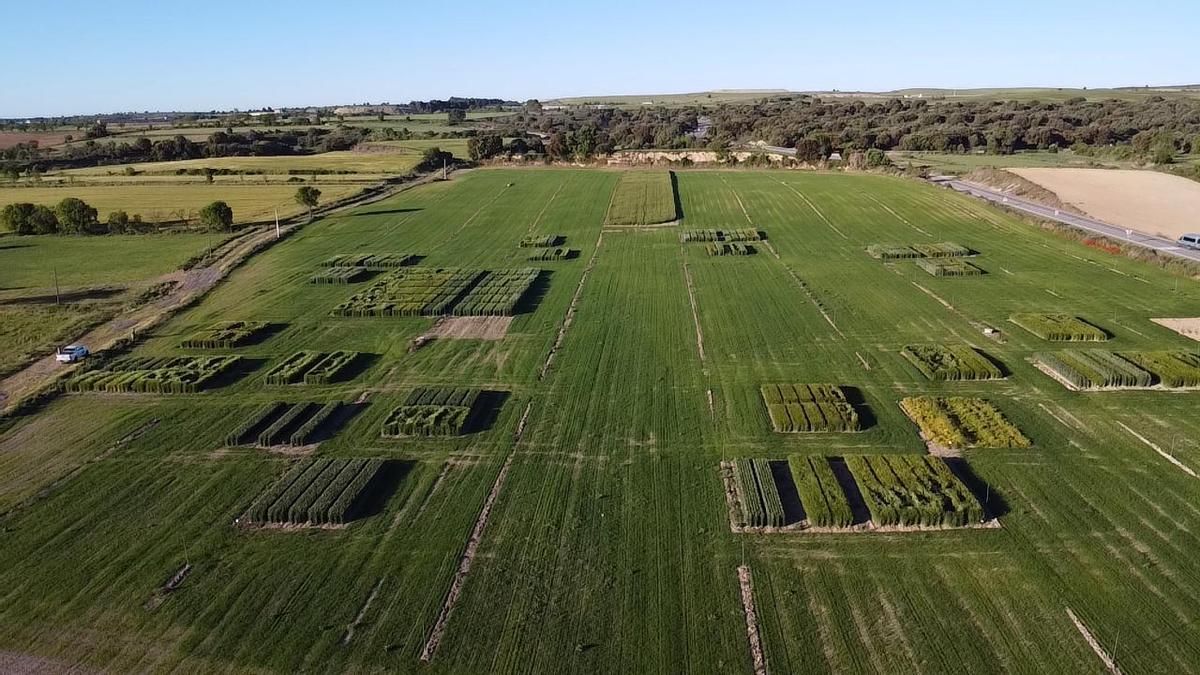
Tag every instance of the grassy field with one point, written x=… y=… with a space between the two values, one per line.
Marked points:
x=347 y=161
x=250 y=202
x=608 y=547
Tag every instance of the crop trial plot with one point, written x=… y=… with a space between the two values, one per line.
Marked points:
x=809 y=407
x=433 y=411
x=436 y=291
x=821 y=495
x=1101 y=369
x=1059 y=327
x=949 y=267
x=642 y=198
x=227 y=335
x=946 y=249
x=758 y=501
x=316 y=493
x=554 y=255
x=542 y=241
x=913 y=490
x=308 y=367
x=371 y=261
x=960 y=422
x=728 y=249
x=280 y=423
x=339 y=275
x=154 y=374
x=951 y=362
x=717 y=236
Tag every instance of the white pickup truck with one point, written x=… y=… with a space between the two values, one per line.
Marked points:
x=70 y=353
x=1190 y=241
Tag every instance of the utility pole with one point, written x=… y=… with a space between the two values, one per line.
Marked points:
x=443 y=168
x=57 y=300
x=277 y=223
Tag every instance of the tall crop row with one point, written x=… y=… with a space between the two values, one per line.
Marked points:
x=417 y=291
x=156 y=375
x=274 y=434
x=913 y=490
x=719 y=236
x=809 y=407
x=315 y=492
x=370 y=261
x=821 y=496
x=961 y=422
x=258 y=419
x=541 y=241
x=728 y=249
x=293 y=368
x=1173 y=369
x=225 y=335
x=951 y=362
x=338 y=275
x=554 y=255
x=953 y=267
x=1095 y=369
x=498 y=294
x=1059 y=327
x=305 y=432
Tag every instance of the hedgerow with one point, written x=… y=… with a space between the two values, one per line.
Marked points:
x=151 y=374
x=951 y=362
x=807 y=408
x=913 y=490
x=1059 y=327
x=961 y=422
x=225 y=335
x=821 y=496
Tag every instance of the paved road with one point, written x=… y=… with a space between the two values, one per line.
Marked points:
x=1159 y=244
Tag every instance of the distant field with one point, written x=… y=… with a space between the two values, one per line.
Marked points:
x=400 y=162
x=962 y=163
x=1146 y=201
x=162 y=202
x=89 y=261
x=44 y=139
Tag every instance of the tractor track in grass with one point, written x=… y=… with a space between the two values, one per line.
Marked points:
x=899 y=217
x=1108 y=661
x=691 y=291
x=569 y=317
x=812 y=206
x=1166 y=455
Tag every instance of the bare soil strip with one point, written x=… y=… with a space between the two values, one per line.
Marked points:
x=521 y=425
x=1055 y=415
x=752 y=632
x=1109 y=663
x=899 y=217
x=711 y=409
x=361 y=613
x=437 y=483
x=1189 y=328
x=1183 y=467
x=469 y=328
x=863 y=361
x=464 y=565
x=570 y=316
x=814 y=208
x=691 y=290
x=771 y=248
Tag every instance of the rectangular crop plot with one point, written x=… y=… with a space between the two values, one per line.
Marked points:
x=279 y=423
x=949 y=267
x=541 y=241
x=951 y=362
x=339 y=275
x=717 y=236
x=913 y=490
x=642 y=198
x=1100 y=369
x=308 y=367
x=808 y=408
x=961 y=422
x=316 y=492
x=821 y=496
x=439 y=291
x=430 y=411
x=371 y=261
x=226 y=335
x=1059 y=327
x=945 y=249
x=893 y=252
x=153 y=374
x=757 y=495
x=728 y=249
x=554 y=255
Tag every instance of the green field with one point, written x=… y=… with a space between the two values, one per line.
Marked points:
x=608 y=545
x=345 y=161
x=251 y=201
x=642 y=198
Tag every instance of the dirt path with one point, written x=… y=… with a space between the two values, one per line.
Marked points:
x=1109 y=663
x=752 y=630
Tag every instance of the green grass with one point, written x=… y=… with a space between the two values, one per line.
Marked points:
x=608 y=548
x=347 y=161
x=642 y=198
x=32 y=262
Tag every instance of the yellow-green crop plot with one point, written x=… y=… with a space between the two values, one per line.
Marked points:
x=642 y=198
x=160 y=203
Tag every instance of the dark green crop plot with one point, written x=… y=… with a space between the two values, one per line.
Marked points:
x=951 y=362
x=226 y=335
x=1059 y=327
x=315 y=492
x=156 y=375
x=913 y=490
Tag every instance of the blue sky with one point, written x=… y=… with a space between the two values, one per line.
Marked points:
x=88 y=57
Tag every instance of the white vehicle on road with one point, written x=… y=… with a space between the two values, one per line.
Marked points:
x=1190 y=241
x=70 y=353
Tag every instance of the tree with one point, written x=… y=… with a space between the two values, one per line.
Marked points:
x=217 y=216
x=43 y=220
x=434 y=158
x=456 y=116
x=118 y=222
x=16 y=218
x=308 y=196
x=75 y=216
x=484 y=147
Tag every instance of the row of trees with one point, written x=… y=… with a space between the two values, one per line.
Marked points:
x=75 y=216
